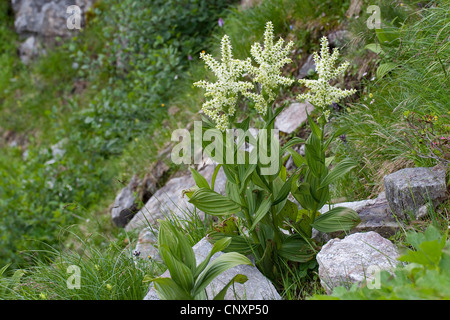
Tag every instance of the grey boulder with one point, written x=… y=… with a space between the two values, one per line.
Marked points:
x=355 y=259
x=169 y=200
x=409 y=190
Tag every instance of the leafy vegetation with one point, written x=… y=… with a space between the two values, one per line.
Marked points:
x=189 y=279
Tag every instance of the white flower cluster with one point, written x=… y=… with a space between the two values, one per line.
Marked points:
x=324 y=93
x=271 y=60
x=225 y=91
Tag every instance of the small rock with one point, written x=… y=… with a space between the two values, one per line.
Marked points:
x=125 y=206
x=146 y=245
x=351 y=260
x=293 y=116
x=257 y=286
x=29 y=49
x=169 y=199
x=407 y=190
x=307 y=68
x=338 y=38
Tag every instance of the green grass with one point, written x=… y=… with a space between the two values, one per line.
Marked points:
x=110 y=273
x=378 y=135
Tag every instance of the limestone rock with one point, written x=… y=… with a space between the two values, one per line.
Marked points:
x=30 y=49
x=146 y=245
x=354 y=259
x=375 y=216
x=338 y=38
x=307 y=67
x=41 y=21
x=169 y=199
x=153 y=180
x=293 y=116
x=125 y=205
x=257 y=286
x=409 y=189
x=46 y=18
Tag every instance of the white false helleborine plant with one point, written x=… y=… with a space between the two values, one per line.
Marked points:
x=225 y=91
x=267 y=77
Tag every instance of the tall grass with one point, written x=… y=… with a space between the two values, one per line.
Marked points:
x=105 y=274
x=420 y=84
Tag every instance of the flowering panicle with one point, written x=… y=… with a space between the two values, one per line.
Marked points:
x=324 y=93
x=224 y=92
x=271 y=60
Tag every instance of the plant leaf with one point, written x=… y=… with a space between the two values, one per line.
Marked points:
x=239 y=278
x=294 y=248
x=385 y=68
x=213 y=203
x=200 y=181
x=179 y=272
x=219 y=245
x=168 y=289
x=338 y=171
x=261 y=212
x=216 y=267
x=337 y=219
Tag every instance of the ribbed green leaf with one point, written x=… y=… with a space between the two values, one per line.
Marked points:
x=264 y=207
x=167 y=289
x=337 y=219
x=179 y=272
x=218 y=246
x=314 y=127
x=213 y=203
x=284 y=191
x=338 y=171
x=385 y=68
x=200 y=181
x=374 y=47
x=216 y=267
x=298 y=158
x=294 y=248
x=294 y=141
x=239 y=243
x=289 y=211
x=177 y=243
x=239 y=278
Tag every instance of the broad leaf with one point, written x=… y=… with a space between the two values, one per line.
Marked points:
x=294 y=248
x=239 y=278
x=200 y=181
x=218 y=246
x=167 y=289
x=239 y=243
x=337 y=219
x=179 y=272
x=338 y=171
x=385 y=68
x=215 y=268
x=263 y=209
x=213 y=203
